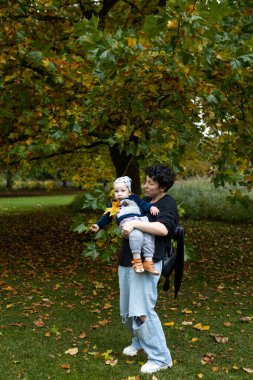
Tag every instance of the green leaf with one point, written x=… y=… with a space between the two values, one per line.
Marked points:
x=153 y=26
x=189 y=253
x=91 y=251
x=78 y=225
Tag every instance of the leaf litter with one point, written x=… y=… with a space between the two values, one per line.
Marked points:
x=52 y=256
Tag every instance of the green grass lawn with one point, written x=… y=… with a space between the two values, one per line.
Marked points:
x=53 y=300
x=27 y=203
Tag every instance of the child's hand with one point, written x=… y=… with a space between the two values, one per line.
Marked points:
x=94 y=228
x=154 y=210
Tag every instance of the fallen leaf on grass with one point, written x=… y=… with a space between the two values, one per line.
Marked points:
x=200 y=375
x=9 y=288
x=249 y=370
x=93 y=353
x=194 y=339
x=39 y=323
x=112 y=362
x=220 y=338
x=186 y=311
x=199 y=326
x=186 y=323
x=17 y=324
x=82 y=335
x=65 y=366
x=245 y=319
x=103 y=323
x=107 y=355
x=72 y=351
x=227 y=324
x=107 y=306
x=207 y=358
x=169 y=323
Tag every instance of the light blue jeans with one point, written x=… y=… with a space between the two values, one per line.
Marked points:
x=138 y=296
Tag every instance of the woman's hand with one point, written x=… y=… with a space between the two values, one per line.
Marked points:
x=127 y=228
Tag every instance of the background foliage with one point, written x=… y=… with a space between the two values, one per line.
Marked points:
x=161 y=82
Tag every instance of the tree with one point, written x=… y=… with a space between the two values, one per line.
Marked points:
x=177 y=84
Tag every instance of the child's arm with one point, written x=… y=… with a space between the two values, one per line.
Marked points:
x=102 y=222
x=144 y=205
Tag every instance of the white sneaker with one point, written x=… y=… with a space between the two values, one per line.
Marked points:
x=130 y=350
x=150 y=367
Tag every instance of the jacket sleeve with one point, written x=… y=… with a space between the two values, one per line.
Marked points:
x=104 y=220
x=144 y=205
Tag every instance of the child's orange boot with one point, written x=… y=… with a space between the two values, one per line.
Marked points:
x=149 y=267
x=138 y=266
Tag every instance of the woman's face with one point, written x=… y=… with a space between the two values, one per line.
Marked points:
x=152 y=188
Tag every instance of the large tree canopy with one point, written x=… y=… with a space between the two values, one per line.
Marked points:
x=149 y=81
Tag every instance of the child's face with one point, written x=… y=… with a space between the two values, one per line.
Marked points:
x=121 y=191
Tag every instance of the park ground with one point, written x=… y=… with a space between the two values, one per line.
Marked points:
x=59 y=315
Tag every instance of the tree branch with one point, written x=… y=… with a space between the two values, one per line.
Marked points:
x=77 y=150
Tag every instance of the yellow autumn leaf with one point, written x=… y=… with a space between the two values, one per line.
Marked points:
x=98 y=285
x=107 y=355
x=45 y=62
x=169 y=323
x=194 y=339
x=131 y=42
x=186 y=311
x=190 y=8
x=2 y=60
x=172 y=24
x=107 y=306
x=9 y=288
x=138 y=133
x=114 y=209
x=100 y=243
x=198 y=326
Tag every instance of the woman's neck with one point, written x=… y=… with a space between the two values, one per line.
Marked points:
x=157 y=197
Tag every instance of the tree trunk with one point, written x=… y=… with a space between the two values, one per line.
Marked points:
x=9 y=180
x=126 y=165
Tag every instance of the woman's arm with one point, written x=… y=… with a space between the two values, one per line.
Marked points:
x=153 y=228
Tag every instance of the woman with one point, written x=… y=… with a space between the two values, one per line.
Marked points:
x=138 y=312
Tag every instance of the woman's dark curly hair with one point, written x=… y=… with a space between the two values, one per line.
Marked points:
x=161 y=174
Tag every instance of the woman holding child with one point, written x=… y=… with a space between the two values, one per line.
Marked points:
x=138 y=292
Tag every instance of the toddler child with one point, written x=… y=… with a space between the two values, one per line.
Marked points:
x=127 y=207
